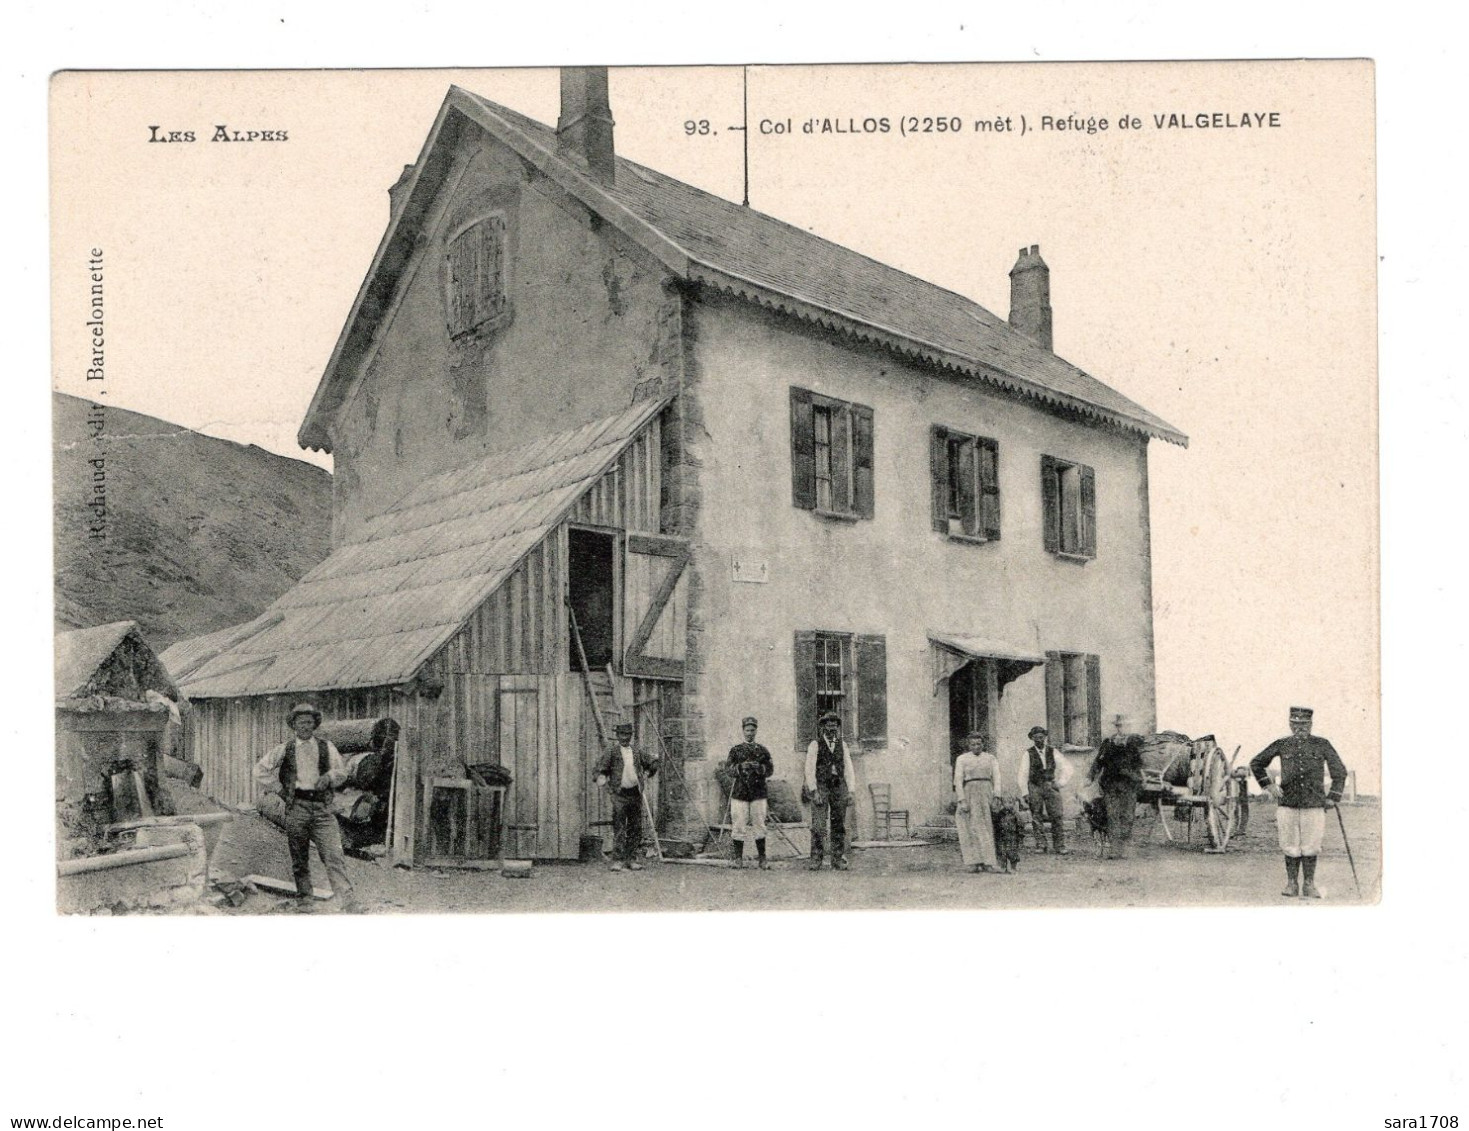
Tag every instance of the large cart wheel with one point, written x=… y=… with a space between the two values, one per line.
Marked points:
x=1221 y=790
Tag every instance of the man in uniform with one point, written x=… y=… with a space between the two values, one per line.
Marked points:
x=296 y=780
x=1301 y=798
x=1043 y=773
x=829 y=781
x=1118 y=769
x=624 y=770
x=749 y=764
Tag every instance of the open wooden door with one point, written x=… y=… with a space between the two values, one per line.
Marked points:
x=655 y=599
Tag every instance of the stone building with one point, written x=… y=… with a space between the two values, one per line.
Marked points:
x=767 y=475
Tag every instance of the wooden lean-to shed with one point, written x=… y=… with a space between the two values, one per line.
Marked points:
x=448 y=612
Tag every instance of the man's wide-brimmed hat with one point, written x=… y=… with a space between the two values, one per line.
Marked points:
x=304 y=709
x=1036 y=731
x=623 y=728
x=831 y=717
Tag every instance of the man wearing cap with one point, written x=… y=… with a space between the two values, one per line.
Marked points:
x=623 y=770
x=1043 y=773
x=1301 y=798
x=749 y=764
x=828 y=787
x=1118 y=769
x=302 y=772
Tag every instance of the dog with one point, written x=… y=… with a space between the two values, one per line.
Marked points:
x=1007 y=838
x=1096 y=817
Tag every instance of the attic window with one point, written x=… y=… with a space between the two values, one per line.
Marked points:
x=474 y=277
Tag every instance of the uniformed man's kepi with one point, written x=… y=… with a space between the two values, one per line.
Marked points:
x=749 y=721
x=1300 y=714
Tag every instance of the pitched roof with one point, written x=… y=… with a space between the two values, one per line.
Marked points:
x=704 y=238
x=438 y=552
x=81 y=651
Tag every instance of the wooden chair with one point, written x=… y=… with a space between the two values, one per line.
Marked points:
x=887 y=816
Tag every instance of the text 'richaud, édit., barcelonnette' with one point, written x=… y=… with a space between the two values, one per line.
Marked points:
x=96 y=370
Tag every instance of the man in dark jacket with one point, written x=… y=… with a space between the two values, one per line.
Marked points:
x=624 y=770
x=1118 y=769
x=1301 y=798
x=1044 y=772
x=749 y=764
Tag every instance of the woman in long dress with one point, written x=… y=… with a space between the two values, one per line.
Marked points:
x=976 y=782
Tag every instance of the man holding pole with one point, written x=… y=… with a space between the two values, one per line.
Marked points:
x=624 y=770
x=1301 y=798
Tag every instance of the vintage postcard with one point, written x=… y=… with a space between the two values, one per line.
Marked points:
x=770 y=487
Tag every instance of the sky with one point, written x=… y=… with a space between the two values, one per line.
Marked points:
x=1223 y=277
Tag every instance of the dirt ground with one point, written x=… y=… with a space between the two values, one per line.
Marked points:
x=928 y=877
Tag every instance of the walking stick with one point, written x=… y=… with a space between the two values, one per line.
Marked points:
x=1340 y=820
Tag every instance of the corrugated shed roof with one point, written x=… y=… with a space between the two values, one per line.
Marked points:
x=381 y=605
x=81 y=651
x=705 y=238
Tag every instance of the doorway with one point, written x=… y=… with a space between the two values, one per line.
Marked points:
x=592 y=586
x=972 y=692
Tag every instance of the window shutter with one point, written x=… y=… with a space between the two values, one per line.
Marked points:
x=1056 y=699
x=1050 y=506
x=841 y=458
x=805 y=688
x=938 y=464
x=803 y=451
x=1094 y=700
x=872 y=688
x=863 y=486
x=849 y=690
x=968 y=475
x=989 y=489
x=1088 y=512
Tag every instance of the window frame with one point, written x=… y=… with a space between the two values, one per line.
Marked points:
x=860 y=694
x=972 y=515
x=1069 y=509
x=832 y=456
x=1074 y=699
x=490 y=307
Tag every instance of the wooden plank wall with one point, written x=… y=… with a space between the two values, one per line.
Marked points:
x=628 y=495
x=645 y=573
x=228 y=736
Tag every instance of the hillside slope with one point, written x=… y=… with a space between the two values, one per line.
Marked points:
x=200 y=533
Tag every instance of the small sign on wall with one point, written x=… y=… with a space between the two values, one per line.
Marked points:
x=747 y=568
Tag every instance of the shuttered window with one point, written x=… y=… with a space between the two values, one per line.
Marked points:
x=1074 y=698
x=831 y=455
x=846 y=673
x=965 y=472
x=1069 y=508
x=474 y=283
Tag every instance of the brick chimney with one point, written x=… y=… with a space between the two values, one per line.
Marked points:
x=1030 y=296
x=584 y=131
